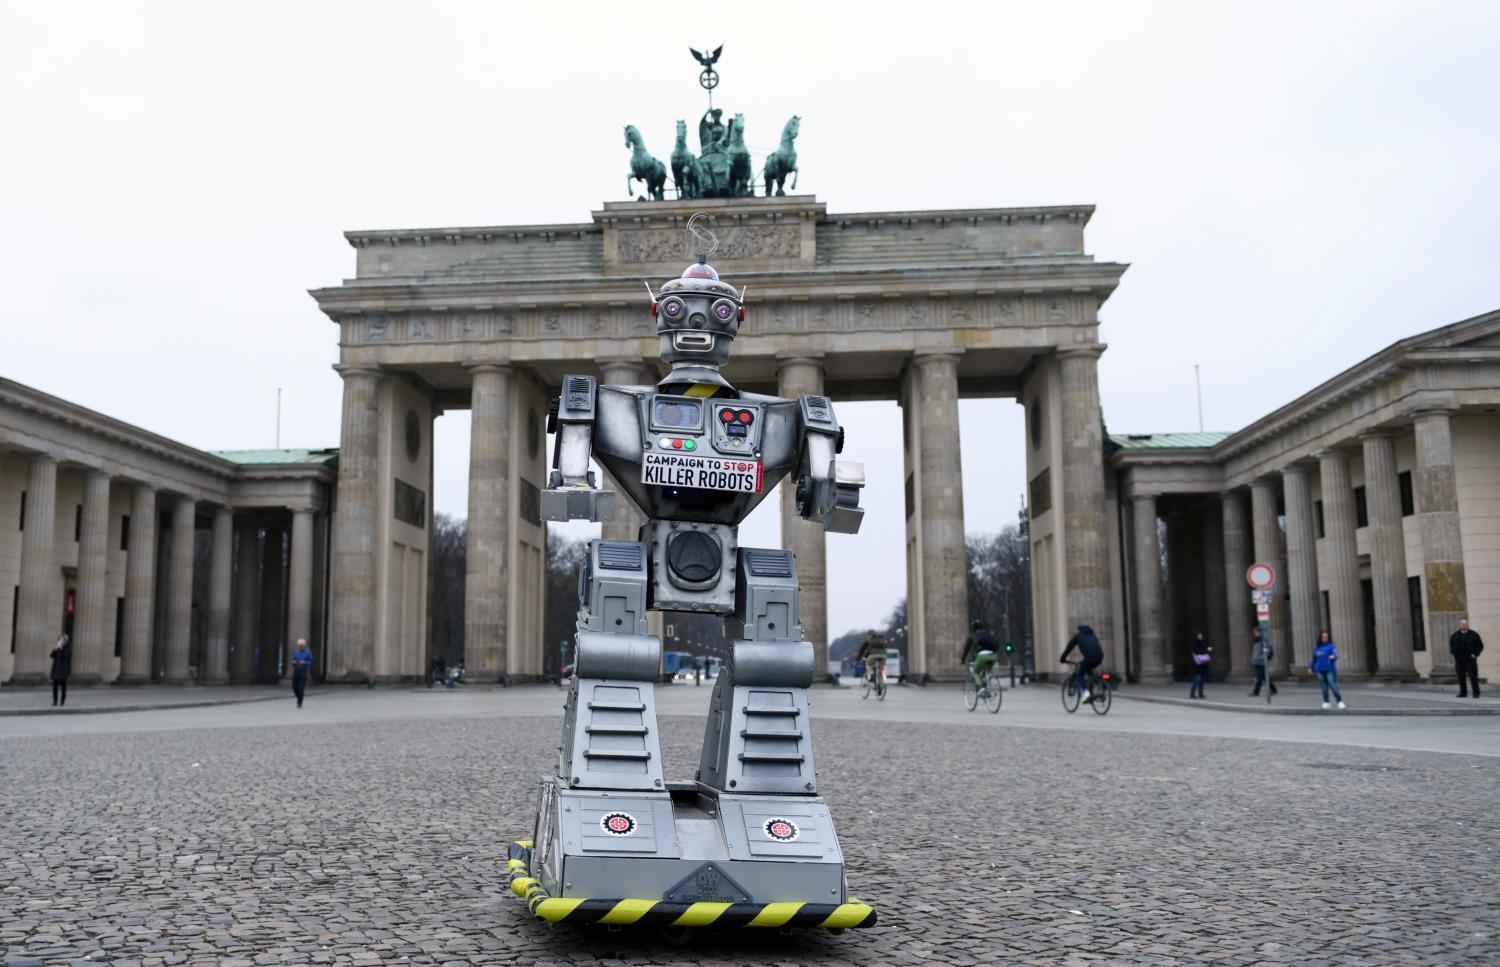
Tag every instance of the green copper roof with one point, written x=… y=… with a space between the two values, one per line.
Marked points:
x=324 y=457
x=1166 y=441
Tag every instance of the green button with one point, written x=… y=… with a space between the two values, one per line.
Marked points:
x=689 y=445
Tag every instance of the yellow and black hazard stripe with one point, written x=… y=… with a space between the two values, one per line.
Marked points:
x=662 y=913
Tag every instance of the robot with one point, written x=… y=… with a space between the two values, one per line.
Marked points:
x=747 y=841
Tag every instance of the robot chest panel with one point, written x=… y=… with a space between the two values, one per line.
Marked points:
x=702 y=444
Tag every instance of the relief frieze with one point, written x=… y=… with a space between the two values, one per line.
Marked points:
x=736 y=242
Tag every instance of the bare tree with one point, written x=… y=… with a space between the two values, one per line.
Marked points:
x=450 y=538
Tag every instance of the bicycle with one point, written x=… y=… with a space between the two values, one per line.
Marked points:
x=990 y=691
x=1101 y=691
x=874 y=680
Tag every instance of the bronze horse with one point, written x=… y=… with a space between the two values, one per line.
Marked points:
x=687 y=171
x=783 y=161
x=643 y=166
x=741 y=171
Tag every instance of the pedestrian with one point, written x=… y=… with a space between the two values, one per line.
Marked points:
x=1325 y=664
x=1202 y=655
x=302 y=660
x=1261 y=654
x=62 y=667
x=1465 y=646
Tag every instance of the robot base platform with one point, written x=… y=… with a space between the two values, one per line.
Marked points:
x=686 y=856
x=669 y=913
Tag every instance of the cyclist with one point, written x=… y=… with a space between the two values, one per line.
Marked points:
x=872 y=653
x=985 y=647
x=1092 y=653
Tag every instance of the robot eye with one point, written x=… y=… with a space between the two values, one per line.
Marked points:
x=673 y=308
x=723 y=310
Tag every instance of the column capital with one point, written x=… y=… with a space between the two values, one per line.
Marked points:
x=354 y=372
x=924 y=357
x=1432 y=412
x=799 y=359
x=489 y=368
x=1094 y=350
x=1331 y=453
x=1378 y=433
x=1296 y=468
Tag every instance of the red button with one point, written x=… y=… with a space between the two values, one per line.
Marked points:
x=676 y=444
x=746 y=416
x=727 y=416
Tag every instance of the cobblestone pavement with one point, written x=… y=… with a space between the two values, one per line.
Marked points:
x=381 y=842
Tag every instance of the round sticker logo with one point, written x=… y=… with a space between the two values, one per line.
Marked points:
x=618 y=824
x=782 y=830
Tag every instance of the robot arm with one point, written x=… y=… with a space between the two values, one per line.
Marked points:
x=827 y=488
x=570 y=493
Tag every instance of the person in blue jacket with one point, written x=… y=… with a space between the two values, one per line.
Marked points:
x=1325 y=664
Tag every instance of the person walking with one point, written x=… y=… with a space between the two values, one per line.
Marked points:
x=302 y=660
x=1465 y=646
x=62 y=667
x=1261 y=654
x=1325 y=664
x=1202 y=655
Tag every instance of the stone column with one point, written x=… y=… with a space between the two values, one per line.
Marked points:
x=1393 y=644
x=1302 y=566
x=1236 y=591
x=1085 y=532
x=40 y=610
x=626 y=525
x=1148 y=604
x=803 y=376
x=220 y=584
x=1444 y=582
x=140 y=588
x=1266 y=530
x=485 y=637
x=299 y=585
x=92 y=622
x=1211 y=527
x=180 y=590
x=1346 y=606
x=945 y=588
x=272 y=605
x=351 y=648
x=246 y=600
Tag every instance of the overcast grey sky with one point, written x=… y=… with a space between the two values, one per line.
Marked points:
x=1295 y=185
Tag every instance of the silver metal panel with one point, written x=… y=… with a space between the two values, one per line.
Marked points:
x=610 y=738
x=605 y=877
x=814 y=831
x=666 y=596
x=583 y=827
x=612 y=591
x=578 y=503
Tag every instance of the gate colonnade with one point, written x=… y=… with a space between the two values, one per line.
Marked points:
x=923 y=307
x=161 y=562
x=1375 y=496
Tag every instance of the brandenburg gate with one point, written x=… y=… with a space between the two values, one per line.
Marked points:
x=923 y=307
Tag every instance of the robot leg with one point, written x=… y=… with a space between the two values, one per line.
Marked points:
x=609 y=783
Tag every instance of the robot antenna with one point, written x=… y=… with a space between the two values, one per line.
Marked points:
x=707 y=241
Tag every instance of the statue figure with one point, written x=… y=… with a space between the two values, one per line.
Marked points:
x=687 y=172
x=643 y=166
x=783 y=161
x=740 y=169
x=710 y=133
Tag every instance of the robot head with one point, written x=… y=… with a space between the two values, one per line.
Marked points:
x=697 y=317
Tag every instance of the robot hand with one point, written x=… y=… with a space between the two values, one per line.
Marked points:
x=834 y=503
x=563 y=502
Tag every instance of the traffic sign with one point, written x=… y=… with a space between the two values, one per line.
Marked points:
x=1261 y=576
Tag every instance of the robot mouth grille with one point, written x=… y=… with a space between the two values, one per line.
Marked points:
x=693 y=342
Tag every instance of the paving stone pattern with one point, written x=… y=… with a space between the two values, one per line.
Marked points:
x=381 y=842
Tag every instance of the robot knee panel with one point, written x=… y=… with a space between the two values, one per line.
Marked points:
x=612 y=588
x=765 y=596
